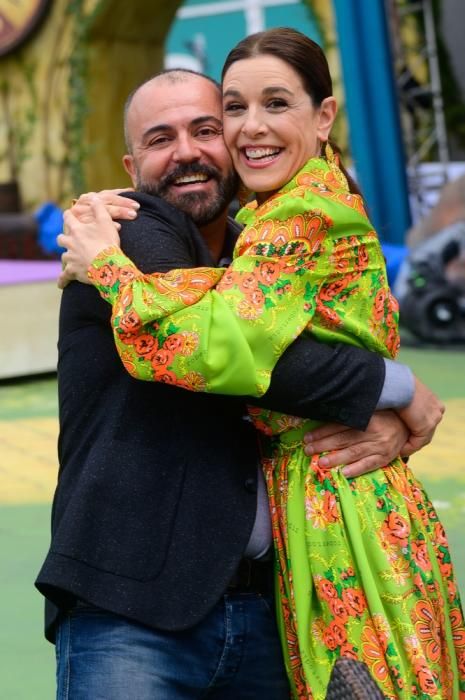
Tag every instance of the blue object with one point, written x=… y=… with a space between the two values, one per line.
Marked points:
x=50 y=222
x=395 y=256
x=233 y=652
x=372 y=106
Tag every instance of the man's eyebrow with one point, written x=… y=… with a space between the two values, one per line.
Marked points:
x=163 y=128
x=158 y=128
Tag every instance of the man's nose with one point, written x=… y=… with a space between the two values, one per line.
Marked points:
x=186 y=150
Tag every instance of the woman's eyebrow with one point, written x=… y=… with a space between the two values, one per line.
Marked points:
x=276 y=88
x=270 y=90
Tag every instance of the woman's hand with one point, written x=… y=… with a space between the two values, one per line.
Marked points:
x=118 y=207
x=84 y=240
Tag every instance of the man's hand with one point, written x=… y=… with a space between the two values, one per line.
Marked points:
x=360 y=451
x=84 y=240
x=421 y=417
x=117 y=207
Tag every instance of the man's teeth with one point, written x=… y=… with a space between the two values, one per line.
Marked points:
x=189 y=179
x=254 y=153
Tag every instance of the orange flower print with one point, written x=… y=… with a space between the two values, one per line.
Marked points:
x=329 y=316
x=396 y=529
x=414 y=651
x=334 y=635
x=128 y=362
x=333 y=289
x=163 y=375
x=400 y=570
x=393 y=303
x=105 y=275
x=297 y=226
x=354 y=600
x=126 y=274
x=338 y=610
x=393 y=342
x=348 y=650
x=316 y=512
x=190 y=343
x=162 y=358
x=245 y=309
x=440 y=535
x=257 y=297
x=195 y=381
x=126 y=299
x=326 y=589
x=330 y=507
x=228 y=280
x=373 y=654
x=380 y=300
x=362 y=259
x=269 y=272
x=427 y=629
x=451 y=589
x=427 y=679
x=248 y=283
x=174 y=343
x=388 y=548
x=145 y=345
x=458 y=630
x=461 y=662
x=382 y=629
x=341 y=264
x=420 y=555
x=129 y=322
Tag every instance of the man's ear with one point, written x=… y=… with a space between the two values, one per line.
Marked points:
x=327 y=115
x=130 y=167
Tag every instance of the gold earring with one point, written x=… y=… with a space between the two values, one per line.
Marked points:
x=330 y=156
x=333 y=161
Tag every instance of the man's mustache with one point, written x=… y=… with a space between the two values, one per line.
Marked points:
x=186 y=170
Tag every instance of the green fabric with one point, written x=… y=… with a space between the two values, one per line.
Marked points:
x=363 y=567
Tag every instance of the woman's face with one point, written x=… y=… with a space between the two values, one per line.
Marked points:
x=271 y=127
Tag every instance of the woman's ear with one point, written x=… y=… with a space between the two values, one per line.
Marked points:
x=326 y=117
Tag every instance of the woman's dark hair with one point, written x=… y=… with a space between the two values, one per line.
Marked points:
x=302 y=54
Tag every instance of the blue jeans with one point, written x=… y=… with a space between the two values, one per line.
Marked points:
x=233 y=654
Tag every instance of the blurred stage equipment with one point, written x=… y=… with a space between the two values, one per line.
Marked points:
x=430 y=287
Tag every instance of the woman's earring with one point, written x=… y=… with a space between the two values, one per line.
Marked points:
x=330 y=156
x=333 y=161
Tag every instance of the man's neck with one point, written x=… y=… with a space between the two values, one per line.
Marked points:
x=214 y=235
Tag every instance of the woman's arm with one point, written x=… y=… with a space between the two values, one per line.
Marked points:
x=235 y=334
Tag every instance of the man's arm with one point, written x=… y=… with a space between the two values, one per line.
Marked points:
x=329 y=383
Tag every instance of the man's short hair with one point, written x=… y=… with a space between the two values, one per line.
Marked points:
x=173 y=75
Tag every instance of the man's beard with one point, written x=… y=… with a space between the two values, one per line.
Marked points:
x=202 y=207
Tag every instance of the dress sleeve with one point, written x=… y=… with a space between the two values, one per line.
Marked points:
x=290 y=273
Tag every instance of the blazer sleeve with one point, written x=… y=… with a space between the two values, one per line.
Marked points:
x=330 y=383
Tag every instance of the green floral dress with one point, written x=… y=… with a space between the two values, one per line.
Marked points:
x=362 y=565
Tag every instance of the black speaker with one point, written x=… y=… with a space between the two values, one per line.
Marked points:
x=432 y=308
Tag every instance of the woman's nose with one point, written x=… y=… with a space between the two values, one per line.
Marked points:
x=254 y=124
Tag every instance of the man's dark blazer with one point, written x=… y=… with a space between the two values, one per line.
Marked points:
x=156 y=494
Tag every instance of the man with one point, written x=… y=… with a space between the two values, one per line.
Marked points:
x=158 y=578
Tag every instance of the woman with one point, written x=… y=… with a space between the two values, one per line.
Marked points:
x=363 y=568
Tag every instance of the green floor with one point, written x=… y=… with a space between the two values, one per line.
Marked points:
x=27 y=661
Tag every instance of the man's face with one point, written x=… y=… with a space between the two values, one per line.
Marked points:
x=178 y=151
